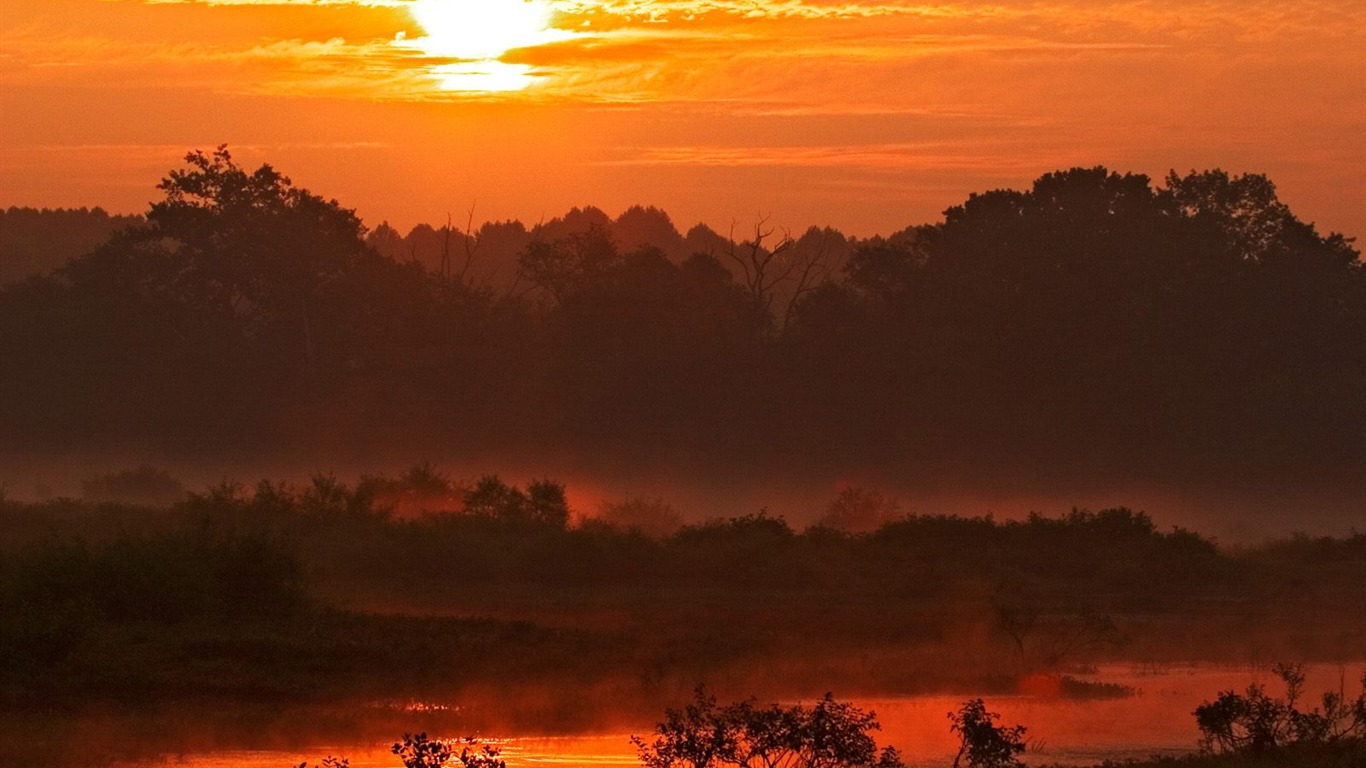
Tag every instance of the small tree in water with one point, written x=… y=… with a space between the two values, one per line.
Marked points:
x=418 y=751
x=1257 y=723
x=330 y=762
x=830 y=734
x=983 y=743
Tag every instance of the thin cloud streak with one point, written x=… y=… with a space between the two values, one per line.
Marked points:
x=885 y=157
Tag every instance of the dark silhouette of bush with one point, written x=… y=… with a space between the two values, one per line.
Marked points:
x=542 y=503
x=828 y=734
x=647 y=517
x=1256 y=723
x=859 y=510
x=981 y=742
x=165 y=578
x=37 y=241
x=422 y=489
x=418 y=751
x=143 y=485
x=330 y=762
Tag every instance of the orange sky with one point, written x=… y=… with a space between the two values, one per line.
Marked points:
x=867 y=116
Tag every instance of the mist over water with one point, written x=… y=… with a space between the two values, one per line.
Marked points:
x=1154 y=720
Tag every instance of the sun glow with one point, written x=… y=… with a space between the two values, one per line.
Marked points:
x=483 y=29
x=484 y=76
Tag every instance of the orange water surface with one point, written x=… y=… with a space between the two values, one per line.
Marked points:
x=1156 y=720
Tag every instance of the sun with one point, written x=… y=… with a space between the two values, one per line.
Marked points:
x=483 y=30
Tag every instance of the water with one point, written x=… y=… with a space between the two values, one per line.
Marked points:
x=1157 y=720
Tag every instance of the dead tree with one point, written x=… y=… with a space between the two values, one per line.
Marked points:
x=784 y=272
x=762 y=268
x=471 y=248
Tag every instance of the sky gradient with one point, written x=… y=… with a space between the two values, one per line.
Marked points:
x=865 y=116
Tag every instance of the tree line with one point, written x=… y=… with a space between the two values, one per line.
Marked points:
x=1094 y=324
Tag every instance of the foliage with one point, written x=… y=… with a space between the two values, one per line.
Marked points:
x=418 y=751
x=1093 y=323
x=166 y=578
x=1255 y=722
x=542 y=503
x=829 y=734
x=37 y=241
x=250 y=591
x=330 y=762
x=859 y=510
x=983 y=743
x=423 y=488
x=648 y=517
x=757 y=527
x=145 y=485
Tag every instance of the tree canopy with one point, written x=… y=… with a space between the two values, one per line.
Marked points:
x=1093 y=323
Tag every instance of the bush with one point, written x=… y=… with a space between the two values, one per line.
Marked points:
x=646 y=517
x=543 y=502
x=418 y=751
x=164 y=579
x=858 y=510
x=830 y=734
x=1255 y=723
x=983 y=743
x=144 y=485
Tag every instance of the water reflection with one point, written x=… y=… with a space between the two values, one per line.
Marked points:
x=1156 y=720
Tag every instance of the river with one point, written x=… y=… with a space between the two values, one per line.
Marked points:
x=1155 y=720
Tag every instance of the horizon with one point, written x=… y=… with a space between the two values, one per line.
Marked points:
x=475 y=222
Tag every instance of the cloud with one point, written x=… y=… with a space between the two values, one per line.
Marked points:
x=879 y=157
x=798 y=52
x=320 y=3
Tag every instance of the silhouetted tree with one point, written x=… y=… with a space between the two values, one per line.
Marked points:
x=983 y=743
x=142 y=485
x=1257 y=723
x=560 y=266
x=859 y=510
x=1092 y=324
x=829 y=734
x=648 y=517
x=419 y=751
x=542 y=503
x=36 y=242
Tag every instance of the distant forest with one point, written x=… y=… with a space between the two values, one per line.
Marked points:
x=37 y=241
x=1097 y=324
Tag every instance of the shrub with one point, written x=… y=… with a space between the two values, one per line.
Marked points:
x=983 y=743
x=543 y=502
x=858 y=510
x=1255 y=723
x=418 y=751
x=646 y=517
x=144 y=485
x=830 y=734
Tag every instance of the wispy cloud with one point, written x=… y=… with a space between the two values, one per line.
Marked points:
x=320 y=3
x=888 y=158
x=629 y=51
